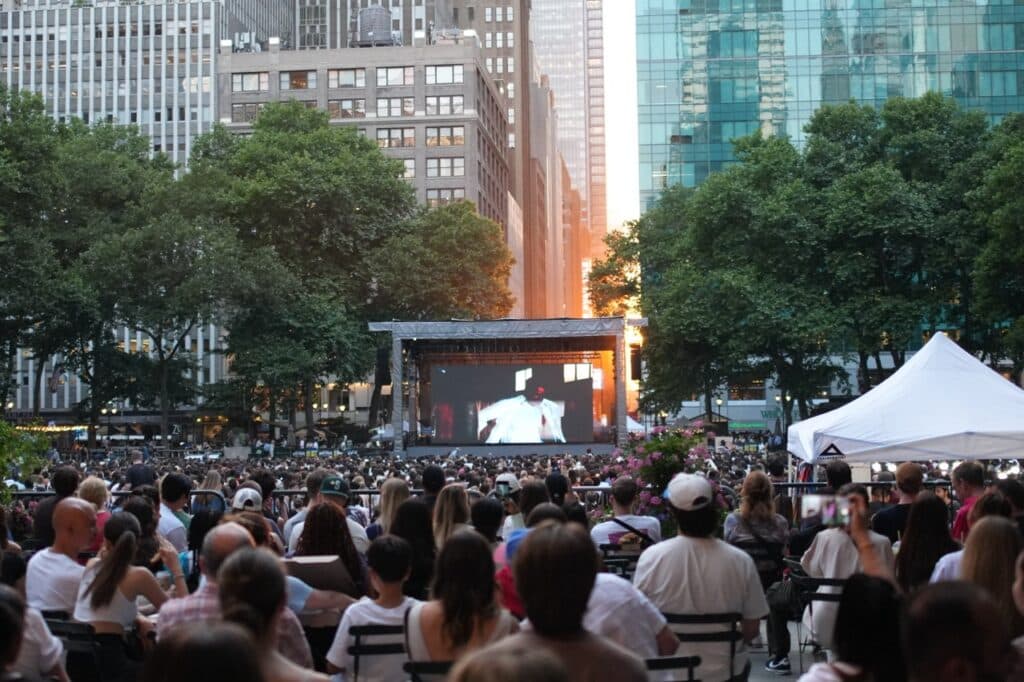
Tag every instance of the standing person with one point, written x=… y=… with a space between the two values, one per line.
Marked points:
x=94 y=491
x=413 y=524
x=507 y=488
x=925 y=541
x=969 y=485
x=54 y=574
x=892 y=521
x=451 y=513
x=110 y=587
x=314 y=480
x=174 y=491
x=390 y=561
x=334 y=490
x=990 y=561
x=433 y=481
x=695 y=573
x=555 y=571
x=948 y=567
x=139 y=474
x=393 y=492
x=64 y=483
x=624 y=495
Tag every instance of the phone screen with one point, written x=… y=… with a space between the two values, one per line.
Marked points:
x=501 y=489
x=833 y=510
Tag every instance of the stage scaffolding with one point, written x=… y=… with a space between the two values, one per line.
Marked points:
x=501 y=342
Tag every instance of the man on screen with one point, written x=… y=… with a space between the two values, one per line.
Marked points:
x=525 y=418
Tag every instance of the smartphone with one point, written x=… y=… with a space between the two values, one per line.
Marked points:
x=834 y=510
x=502 y=490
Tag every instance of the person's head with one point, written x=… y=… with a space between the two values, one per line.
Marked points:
x=219 y=544
x=413 y=523
x=450 y=511
x=253 y=522
x=533 y=665
x=251 y=588
x=150 y=493
x=94 y=491
x=989 y=504
x=74 y=525
x=142 y=509
x=393 y=492
x=558 y=487
x=545 y=511
x=555 y=569
x=693 y=505
x=837 y=474
x=326 y=533
x=12 y=571
x=756 y=497
x=314 y=480
x=487 y=514
x=855 y=489
x=433 y=479
x=202 y=522
x=213 y=653
x=64 y=481
x=875 y=649
x=990 y=561
x=212 y=480
x=120 y=539
x=247 y=499
x=174 y=490
x=953 y=632
x=968 y=479
x=12 y=617
x=267 y=483
x=390 y=560
x=925 y=539
x=576 y=513
x=1013 y=491
x=136 y=456
x=464 y=585
x=334 y=489
x=909 y=480
x=531 y=494
x=776 y=467
x=624 y=492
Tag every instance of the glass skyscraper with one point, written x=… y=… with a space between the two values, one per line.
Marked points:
x=713 y=70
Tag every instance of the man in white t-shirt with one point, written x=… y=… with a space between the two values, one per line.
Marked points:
x=53 y=576
x=390 y=562
x=334 y=490
x=174 y=490
x=623 y=497
x=623 y=614
x=695 y=573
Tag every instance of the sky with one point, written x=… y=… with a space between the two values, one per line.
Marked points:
x=622 y=159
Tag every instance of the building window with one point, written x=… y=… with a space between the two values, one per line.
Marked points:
x=444 y=105
x=445 y=136
x=393 y=107
x=511 y=140
x=511 y=90
x=499 y=39
x=508 y=14
x=347 y=108
x=298 y=80
x=512 y=115
x=396 y=137
x=510 y=39
x=394 y=75
x=489 y=63
x=511 y=65
x=244 y=113
x=449 y=167
x=444 y=75
x=444 y=195
x=250 y=82
x=410 y=168
x=346 y=78
x=488 y=14
x=488 y=40
x=500 y=64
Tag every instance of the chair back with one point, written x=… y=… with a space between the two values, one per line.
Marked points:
x=362 y=649
x=322 y=573
x=723 y=628
x=81 y=646
x=768 y=559
x=677 y=663
x=417 y=669
x=619 y=562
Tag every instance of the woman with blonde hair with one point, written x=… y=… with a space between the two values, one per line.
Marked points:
x=451 y=513
x=756 y=518
x=94 y=491
x=990 y=561
x=393 y=493
x=205 y=500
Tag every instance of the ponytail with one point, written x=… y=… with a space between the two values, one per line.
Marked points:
x=122 y=530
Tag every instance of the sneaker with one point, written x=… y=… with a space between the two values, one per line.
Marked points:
x=779 y=665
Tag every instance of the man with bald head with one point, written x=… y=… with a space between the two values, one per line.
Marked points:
x=51 y=583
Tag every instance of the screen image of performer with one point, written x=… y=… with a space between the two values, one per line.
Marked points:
x=525 y=418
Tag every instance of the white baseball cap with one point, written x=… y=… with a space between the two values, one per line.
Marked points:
x=689 y=492
x=508 y=479
x=247 y=498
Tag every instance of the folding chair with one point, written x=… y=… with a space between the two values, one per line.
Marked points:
x=808 y=595
x=83 y=651
x=417 y=669
x=617 y=562
x=728 y=632
x=680 y=663
x=363 y=650
x=767 y=558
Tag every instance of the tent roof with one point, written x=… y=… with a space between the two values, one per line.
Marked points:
x=942 y=404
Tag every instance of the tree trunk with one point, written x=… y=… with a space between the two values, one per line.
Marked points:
x=863 y=373
x=94 y=420
x=165 y=412
x=307 y=394
x=707 y=401
x=37 y=398
x=272 y=413
x=291 y=420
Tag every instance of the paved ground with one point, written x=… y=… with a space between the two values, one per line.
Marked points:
x=759 y=656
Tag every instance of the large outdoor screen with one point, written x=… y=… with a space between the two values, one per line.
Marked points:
x=495 y=404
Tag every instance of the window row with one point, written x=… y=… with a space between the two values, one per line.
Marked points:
x=500 y=39
x=498 y=14
x=444 y=195
x=438 y=136
x=449 y=167
x=501 y=65
x=346 y=78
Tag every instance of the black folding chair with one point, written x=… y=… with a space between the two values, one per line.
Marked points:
x=617 y=562
x=680 y=663
x=767 y=558
x=728 y=631
x=362 y=649
x=82 y=648
x=809 y=594
x=418 y=668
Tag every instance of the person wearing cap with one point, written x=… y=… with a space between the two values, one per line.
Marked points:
x=696 y=573
x=247 y=499
x=624 y=521
x=334 y=490
x=892 y=522
x=507 y=487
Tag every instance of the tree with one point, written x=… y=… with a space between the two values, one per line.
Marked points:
x=614 y=281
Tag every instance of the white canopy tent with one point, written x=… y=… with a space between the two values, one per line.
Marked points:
x=942 y=404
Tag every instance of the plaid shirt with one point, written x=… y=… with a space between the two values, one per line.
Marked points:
x=204 y=604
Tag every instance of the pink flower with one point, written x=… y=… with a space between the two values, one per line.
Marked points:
x=655 y=500
x=617 y=452
x=655 y=456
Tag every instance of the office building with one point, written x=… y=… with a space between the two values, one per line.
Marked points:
x=333 y=24
x=712 y=70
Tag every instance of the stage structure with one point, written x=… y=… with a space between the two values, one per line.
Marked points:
x=508 y=387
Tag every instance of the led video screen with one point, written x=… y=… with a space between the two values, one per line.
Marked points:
x=513 y=404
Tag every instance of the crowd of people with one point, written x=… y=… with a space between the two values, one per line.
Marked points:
x=467 y=568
